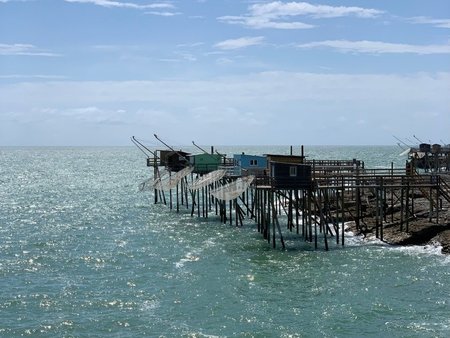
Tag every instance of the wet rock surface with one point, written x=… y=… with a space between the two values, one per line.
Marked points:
x=420 y=230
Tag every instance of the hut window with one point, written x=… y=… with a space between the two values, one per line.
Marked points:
x=292 y=171
x=253 y=162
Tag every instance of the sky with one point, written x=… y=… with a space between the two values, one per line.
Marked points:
x=224 y=72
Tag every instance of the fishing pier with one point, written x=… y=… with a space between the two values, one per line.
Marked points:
x=290 y=193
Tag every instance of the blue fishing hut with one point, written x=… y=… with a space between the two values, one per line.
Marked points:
x=249 y=165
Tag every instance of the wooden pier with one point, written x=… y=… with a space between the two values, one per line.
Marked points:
x=310 y=198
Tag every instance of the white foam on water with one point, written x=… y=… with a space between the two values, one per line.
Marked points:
x=188 y=257
x=431 y=250
x=150 y=305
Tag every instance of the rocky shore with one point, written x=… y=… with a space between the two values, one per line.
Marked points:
x=421 y=231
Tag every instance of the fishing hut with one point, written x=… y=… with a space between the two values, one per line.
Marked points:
x=173 y=160
x=204 y=163
x=245 y=164
x=430 y=158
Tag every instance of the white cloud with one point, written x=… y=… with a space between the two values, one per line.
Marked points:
x=119 y=4
x=186 y=56
x=240 y=42
x=33 y=76
x=279 y=9
x=276 y=14
x=224 y=61
x=262 y=22
x=442 y=23
x=222 y=115
x=95 y=115
x=163 y=13
x=377 y=47
x=191 y=45
x=24 y=49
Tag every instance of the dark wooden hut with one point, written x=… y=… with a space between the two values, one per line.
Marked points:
x=173 y=160
x=293 y=176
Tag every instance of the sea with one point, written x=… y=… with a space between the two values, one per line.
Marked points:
x=83 y=253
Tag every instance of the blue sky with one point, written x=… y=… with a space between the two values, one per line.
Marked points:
x=224 y=72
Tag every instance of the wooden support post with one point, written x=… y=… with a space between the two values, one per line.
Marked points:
x=358 y=205
x=207 y=201
x=203 y=201
x=296 y=205
x=431 y=200
x=382 y=204
x=337 y=214
x=155 y=173
x=342 y=211
x=182 y=191
x=275 y=220
x=271 y=206
x=322 y=222
x=310 y=217
x=224 y=209
x=290 y=212
x=231 y=212
x=401 y=203
x=236 y=211
x=265 y=210
x=256 y=205
x=193 y=203
x=178 y=201
x=437 y=198
x=198 y=203
x=310 y=196
x=392 y=193
x=303 y=211
x=163 y=196
x=266 y=231
x=186 y=192
x=252 y=200
x=407 y=206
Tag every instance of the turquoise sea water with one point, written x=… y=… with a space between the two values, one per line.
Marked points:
x=84 y=254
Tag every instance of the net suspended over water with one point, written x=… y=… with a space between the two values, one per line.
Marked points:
x=209 y=178
x=168 y=180
x=153 y=182
x=232 y=190
x=146 y=185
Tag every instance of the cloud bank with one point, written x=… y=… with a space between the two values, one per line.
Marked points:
x=231 y=110
x=377 y=47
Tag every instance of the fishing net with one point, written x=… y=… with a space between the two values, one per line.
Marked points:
x=167 y=180
x=160 y=177
x=209 y=178
x=152 y=183
x=146 y=185
x=232 y=190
